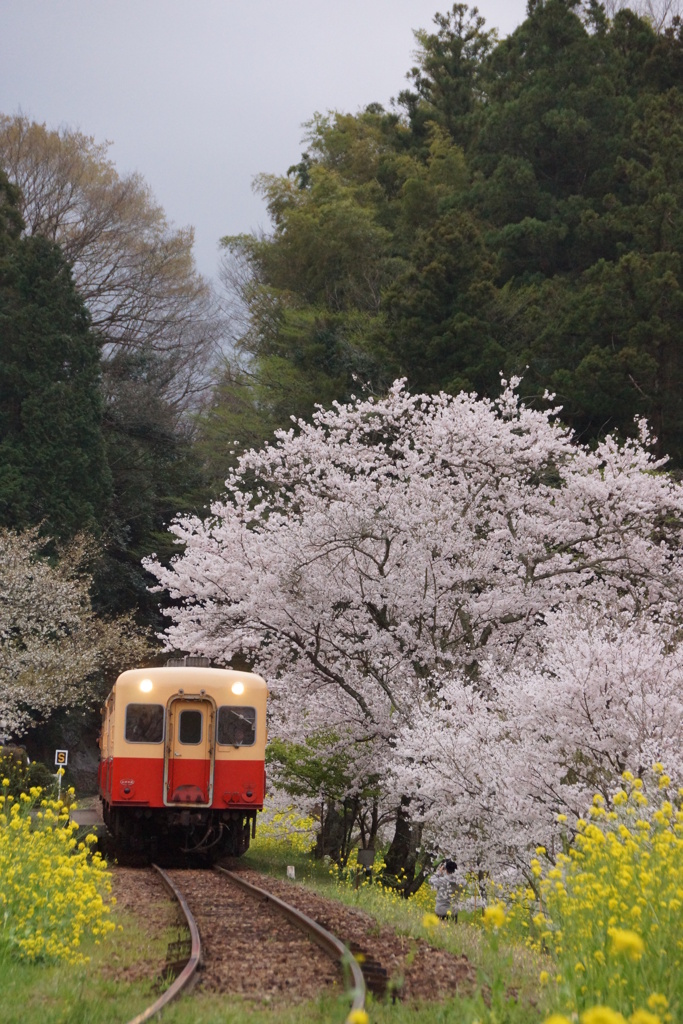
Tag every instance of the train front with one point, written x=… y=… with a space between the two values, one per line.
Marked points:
x=182 y=760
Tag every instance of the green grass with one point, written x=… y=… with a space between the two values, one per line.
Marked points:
x=213 y=1009
x=219 y=1010
x=44 y=993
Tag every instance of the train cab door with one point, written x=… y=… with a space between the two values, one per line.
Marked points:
x=190 y=751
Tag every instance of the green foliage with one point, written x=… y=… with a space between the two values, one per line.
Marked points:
x=96 y=379
x=11 y=222
x=517 y=212
x=448 y=76
x=52 y=454
x=154 y=475
x=322 y=769
x=307 y=769
x=23 y=774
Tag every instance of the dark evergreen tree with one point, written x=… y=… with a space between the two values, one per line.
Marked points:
x=519 y=211
x=53 y=466
x=11 y=222
x=155 y=475
x=447 y=79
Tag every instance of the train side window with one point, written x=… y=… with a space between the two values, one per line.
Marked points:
x=190 y=727
x=144 y=723
x=237 y=726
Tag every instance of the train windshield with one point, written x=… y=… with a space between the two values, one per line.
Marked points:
x=237 y=726
x=144 y=723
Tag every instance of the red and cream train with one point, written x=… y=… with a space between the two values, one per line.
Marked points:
x=182 y=759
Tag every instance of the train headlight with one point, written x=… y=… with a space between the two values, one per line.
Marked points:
x=146 y=685
x=237 y=688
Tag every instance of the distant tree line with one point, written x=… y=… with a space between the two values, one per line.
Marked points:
x=108 y=340
x=517 y=210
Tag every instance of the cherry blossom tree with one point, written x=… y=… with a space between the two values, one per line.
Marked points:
x=514 y=762
x=54 y=650
x=390 y=565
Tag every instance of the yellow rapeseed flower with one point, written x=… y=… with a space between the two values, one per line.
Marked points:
x=430 y=921
x=644 y=1017
x=601 y=1015
x=495 y=915
x=557 y=1018
x=357 y=1017
x=51 y=898
x=657 y=1001
x=626 y=941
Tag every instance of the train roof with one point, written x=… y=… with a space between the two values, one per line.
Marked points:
x=166 y=680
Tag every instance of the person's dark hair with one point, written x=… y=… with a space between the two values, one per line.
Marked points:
x=450 y=866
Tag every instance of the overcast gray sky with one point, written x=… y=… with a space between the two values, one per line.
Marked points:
x=199 y=96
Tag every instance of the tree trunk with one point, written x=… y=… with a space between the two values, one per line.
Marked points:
x=330 y=841
x=400 y=871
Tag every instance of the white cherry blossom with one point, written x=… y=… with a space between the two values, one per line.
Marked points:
x=434 y=579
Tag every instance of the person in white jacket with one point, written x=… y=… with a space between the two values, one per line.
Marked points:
x=446 y=884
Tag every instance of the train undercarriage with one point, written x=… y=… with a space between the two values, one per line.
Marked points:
x=157 y=834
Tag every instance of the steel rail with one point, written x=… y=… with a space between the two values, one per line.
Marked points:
x=188 y=971
x=328 y=942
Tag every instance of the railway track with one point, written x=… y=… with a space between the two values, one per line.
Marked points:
x=252 y=943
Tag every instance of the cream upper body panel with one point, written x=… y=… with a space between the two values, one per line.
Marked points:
x=225 y=687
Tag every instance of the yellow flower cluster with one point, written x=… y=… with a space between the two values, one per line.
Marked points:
x=494 y=916
x=609 y=910
x=352 y=876
x=605 y=1015
x=284 y=832
x=52 y=886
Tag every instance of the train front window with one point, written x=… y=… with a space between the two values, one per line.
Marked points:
x=144 y=723
x=237 y=726
x=190 y=727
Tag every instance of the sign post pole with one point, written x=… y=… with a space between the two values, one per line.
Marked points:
x=61 y=760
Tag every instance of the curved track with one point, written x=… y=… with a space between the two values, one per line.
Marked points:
x=329 y=943
x=188 y=971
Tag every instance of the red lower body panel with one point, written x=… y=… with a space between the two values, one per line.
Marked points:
x=238 y=784
x=140 y=780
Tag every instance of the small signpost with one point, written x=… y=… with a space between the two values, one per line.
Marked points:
x=365 y=860
x=61 y=760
